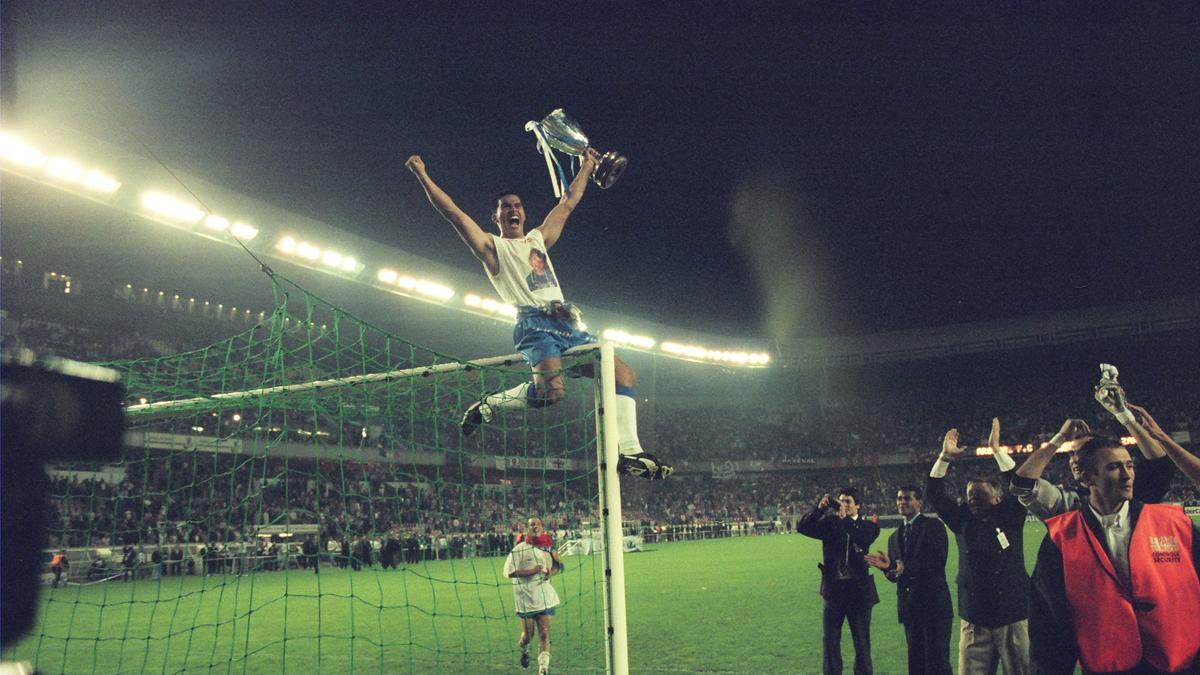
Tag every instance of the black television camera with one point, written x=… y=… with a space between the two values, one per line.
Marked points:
x=52 y=409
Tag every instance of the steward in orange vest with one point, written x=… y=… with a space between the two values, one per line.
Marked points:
x=1085 y=606
x=59 y=564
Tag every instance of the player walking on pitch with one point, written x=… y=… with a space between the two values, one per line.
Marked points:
x=534 y=598
x=546 y=325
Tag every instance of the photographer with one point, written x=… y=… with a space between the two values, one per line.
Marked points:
x=846 y=583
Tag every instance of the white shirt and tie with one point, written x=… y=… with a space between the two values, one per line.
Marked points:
x=1116 y=535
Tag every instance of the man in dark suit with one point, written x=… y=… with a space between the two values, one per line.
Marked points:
x=993 y=588
x=846 y=582
x=916 y=563
x=311 y=552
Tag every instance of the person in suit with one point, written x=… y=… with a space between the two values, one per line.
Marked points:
x=993 y=587
x=311 y=552
x=846 y=582
x=916 y=563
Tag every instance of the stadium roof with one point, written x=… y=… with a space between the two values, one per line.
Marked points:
x=122 y=199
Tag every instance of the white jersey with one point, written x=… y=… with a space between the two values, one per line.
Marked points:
x=533 y=593
x=526 y=277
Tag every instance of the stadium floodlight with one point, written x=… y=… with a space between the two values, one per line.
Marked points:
x=313 y=253
x=61 y=168
x=215 y=222
x=16 y=151
x=308 y=251
x=700 y=353
x=170 y=207
x=434 y=290
x=340 y=261
x=423 y=287
x=243 y=231
x=99 y=182
x=489 y=305
x=625 y=338
x=681 y=350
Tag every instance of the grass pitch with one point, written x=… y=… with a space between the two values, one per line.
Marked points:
x=722 y=606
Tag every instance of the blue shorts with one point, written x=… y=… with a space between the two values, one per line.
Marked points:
x=549 y=611
x=539 y=336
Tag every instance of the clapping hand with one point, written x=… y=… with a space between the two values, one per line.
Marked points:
x=878 y=559
x=994 y=436
x=951 y=450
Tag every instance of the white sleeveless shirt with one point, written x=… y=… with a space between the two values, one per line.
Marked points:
x=517 y=282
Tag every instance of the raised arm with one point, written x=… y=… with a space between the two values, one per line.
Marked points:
x=468 y=230
x=552 y=227
x=815 y=523
x=1039 y=496
x=1036 y=462
x=1188 y=463
x=1113 y=400
x=948 y=509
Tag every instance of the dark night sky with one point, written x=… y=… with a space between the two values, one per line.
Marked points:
x=844 y=169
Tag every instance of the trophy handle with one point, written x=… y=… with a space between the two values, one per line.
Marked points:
x=609 y=169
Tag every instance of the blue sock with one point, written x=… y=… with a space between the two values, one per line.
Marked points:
x=626 y=391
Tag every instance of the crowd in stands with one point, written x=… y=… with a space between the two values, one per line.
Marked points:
x=167 y=498
x=48 y=338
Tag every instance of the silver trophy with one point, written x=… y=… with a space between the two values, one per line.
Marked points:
x=558 y=131
x=1108 y=376
x=1110 y=393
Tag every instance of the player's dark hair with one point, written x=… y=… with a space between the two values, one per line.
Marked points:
x=501 y=195
x=916 y=492
x=851 y=493
x=1085 y=454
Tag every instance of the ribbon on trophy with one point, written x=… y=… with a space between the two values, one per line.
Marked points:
x=558 y=177
x=557 y=131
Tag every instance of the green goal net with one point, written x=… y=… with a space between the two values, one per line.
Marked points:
x=299 y=498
